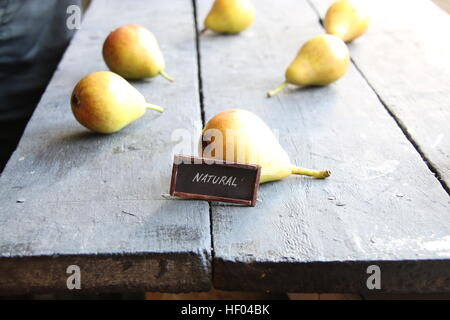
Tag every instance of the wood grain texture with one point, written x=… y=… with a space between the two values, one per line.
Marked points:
x=404 y=57
x=71 y=196
x=382 y=205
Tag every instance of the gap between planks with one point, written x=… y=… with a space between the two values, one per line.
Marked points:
x=397 y=120
x=202 y=113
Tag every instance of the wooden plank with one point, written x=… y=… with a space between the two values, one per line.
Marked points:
x=380 y=206
x=432 y=296
x=404 y=57
x=96 y=200
x=323 y=296
x=215 y=294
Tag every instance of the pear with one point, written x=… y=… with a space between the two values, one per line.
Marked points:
x=321 y=60
x=237 y=135
x=133 y=52
x=345 y=20
x=105 y=102
x=230 y=16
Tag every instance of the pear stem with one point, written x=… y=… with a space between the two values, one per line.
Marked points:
x=154 y=107
x=203 y=30
x=277 y=89
x=165 y=75
x=319 y=174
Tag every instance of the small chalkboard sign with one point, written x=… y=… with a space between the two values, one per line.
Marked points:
x=214 y=180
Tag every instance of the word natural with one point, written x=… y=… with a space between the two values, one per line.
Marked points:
x=219 y=180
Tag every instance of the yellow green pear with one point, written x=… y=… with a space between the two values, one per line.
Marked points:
x=133 y=52
x=230 y=16
x=321 y=60
x=346 y=20
x=237 y=135
x=105 y=102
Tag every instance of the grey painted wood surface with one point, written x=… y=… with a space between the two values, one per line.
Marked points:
x=382 y=205
x=95 y=200
x=404 y=56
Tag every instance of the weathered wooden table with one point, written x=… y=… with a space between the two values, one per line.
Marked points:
x=70 y=197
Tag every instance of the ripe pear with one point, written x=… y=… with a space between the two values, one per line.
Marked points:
x=237 y=135
x=321 y=60
x=230 y=16
x=345 y=20
x=133 y=52
x=105 y=102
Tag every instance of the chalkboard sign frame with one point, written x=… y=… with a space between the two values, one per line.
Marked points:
x=181 y=159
